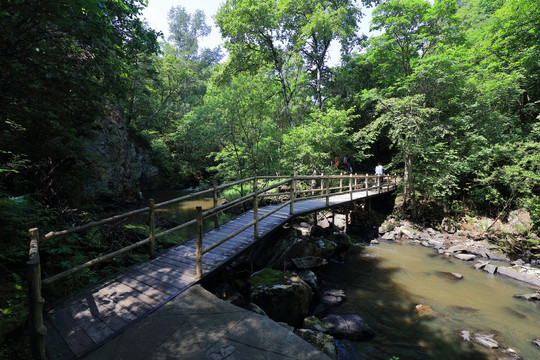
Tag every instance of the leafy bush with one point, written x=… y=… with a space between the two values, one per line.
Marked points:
x=18 y=215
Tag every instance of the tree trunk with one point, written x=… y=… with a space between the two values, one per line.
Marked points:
x=410 y=184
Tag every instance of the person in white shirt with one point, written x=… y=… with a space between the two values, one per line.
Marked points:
x=379 y=171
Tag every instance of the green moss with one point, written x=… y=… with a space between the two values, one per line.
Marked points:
x=520 y=229
x=312 y=320
x=329 y=245
x=138 y=227
x=269 y=277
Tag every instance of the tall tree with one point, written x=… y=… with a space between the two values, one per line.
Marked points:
x=315 y=143
x=238 y=123
x=186 y=31
x=411 y=129
x=313 y=25
x=255 y=37
x=285 y=32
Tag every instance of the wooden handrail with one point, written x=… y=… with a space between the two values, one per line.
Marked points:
x=294 y=195
x=51 y=234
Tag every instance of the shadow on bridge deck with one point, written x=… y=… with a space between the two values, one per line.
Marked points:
x=198 y=325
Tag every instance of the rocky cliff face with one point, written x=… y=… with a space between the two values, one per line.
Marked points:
x=121 y=166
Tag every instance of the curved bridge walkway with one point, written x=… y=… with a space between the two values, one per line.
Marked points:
x=80 y=323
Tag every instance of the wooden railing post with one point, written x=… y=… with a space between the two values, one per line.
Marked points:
x=327 y=190
x=38 y=329
x=313 y=183
x=322 y=184
x=367 y=185
x=355 y=181
x=379 y=183
x=152 y=225
x=340 y=182
x=215 y=195
x=255 y=209
x=199 y=244
x=350 y=185
x=293 y=193
x=346 y=218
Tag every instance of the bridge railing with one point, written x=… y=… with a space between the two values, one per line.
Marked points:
x=286 y=189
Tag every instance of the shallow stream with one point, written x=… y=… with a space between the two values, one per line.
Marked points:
x=384 y=282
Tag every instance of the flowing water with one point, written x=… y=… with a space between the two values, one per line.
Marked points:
x=384 y=282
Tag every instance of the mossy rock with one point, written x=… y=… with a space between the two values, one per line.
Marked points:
x=323 y=342
x=269 y=277
x=313 y=323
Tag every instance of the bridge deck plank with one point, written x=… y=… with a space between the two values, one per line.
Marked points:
x=86 y=319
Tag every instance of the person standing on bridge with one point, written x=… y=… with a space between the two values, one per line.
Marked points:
x=379 y=171
x=346 y=164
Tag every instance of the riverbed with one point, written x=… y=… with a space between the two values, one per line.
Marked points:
x=385 y=282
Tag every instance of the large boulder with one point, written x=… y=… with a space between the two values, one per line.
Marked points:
x=465 y=257
x=347 y=326
x=519 y=221
x=526 y=274
x=310 y=278
x=319 y=231
x=332 y=297
x=283 y=296
x=342 y=242
x=321 y=341
x=296 y=247
x=309 y=262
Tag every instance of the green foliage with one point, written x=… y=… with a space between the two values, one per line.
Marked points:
x=314 y=144
x=237 y=126
x=507 y=176
x=14 y=305
x=63 y=63
x=237 y=191
x=18 y=215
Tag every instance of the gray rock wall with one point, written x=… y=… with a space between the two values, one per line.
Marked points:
x=119 y=165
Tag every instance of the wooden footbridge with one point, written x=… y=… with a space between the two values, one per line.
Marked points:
x=79 y=323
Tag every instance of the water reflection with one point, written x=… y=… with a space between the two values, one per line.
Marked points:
x=383 y=284
x=183 y=211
